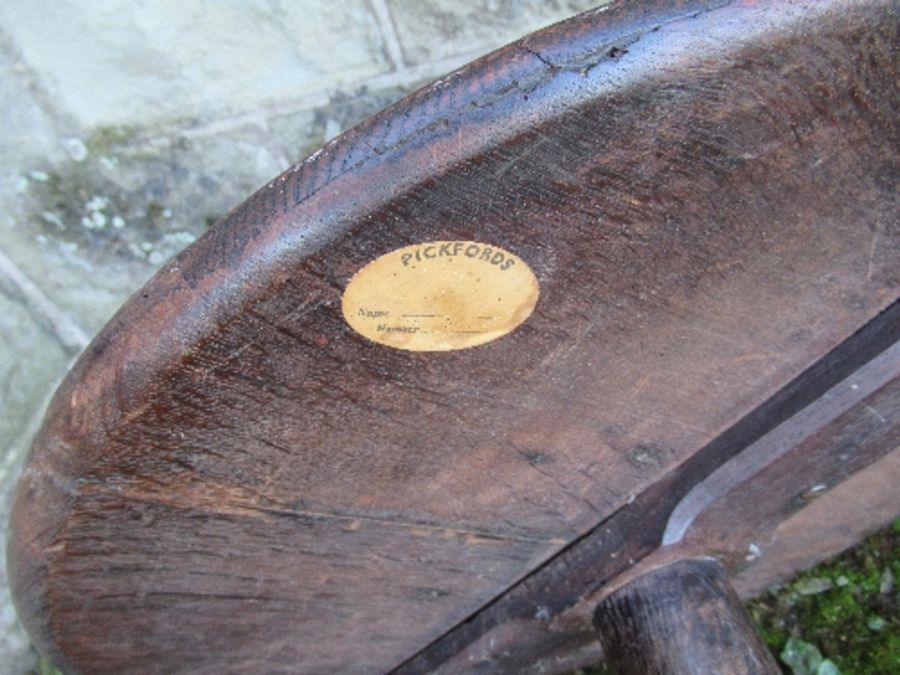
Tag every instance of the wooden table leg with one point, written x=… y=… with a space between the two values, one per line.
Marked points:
x=680 y=619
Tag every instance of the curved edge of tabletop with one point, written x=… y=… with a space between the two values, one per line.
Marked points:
x=316 y=201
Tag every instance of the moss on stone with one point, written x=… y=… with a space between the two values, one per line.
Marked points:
x=44 y=667
x=854 y=620
x=109 y=139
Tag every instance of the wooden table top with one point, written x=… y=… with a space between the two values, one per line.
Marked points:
x=234 y=478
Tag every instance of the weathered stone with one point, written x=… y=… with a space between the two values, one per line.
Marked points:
x=27 y=129
x=813 y=586
x=113 y=61
x=439 y=29
x=90 y=232
x=31 y=362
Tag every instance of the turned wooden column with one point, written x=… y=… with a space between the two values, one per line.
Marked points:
x=681 y=619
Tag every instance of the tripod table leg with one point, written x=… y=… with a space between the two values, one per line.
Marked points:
x=681 y=619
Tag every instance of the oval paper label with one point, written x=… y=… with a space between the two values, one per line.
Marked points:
x=440 y=295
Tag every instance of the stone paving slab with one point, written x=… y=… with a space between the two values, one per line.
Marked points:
x=24 y=386
x=121 y=62
x=28 y=128
x=24 y=383
x=91 y=231
x=441 y=28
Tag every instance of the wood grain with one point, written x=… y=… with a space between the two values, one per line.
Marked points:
x=681 y=619
x=232 y=479
x=543 y=623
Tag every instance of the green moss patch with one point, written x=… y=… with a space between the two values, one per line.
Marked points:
x=848 y=608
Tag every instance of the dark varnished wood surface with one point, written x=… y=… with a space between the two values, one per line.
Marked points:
x=232 y=480
x=814 y=433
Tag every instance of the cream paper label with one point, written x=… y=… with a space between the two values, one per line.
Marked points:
x=440 y=296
